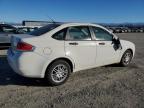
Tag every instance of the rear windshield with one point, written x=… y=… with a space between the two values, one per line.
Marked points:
x=44 y=29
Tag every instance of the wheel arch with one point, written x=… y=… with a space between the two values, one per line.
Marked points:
x=125 y=51
x=130 y=50
x=69 y=61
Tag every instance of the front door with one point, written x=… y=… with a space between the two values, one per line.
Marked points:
x=107 y=52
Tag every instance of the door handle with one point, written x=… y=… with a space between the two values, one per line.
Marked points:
x=73 y=43
x=102 y=43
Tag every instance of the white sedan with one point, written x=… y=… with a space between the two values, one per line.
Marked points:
x=56 y=50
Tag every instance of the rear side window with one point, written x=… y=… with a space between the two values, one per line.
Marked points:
x=102 y=34
x=60 y=35
x=79 y=33
x=44 y=29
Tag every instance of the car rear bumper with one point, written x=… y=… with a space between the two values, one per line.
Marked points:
x=27 y=64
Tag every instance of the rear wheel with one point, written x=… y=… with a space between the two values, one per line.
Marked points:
x=126 y=58
x=58 y=72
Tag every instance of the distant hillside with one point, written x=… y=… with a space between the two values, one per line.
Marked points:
x=135 y=25
x=129 y=25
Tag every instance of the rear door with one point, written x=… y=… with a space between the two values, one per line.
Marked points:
x=80 y=47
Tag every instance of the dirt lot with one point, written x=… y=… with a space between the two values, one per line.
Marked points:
x=105 y=87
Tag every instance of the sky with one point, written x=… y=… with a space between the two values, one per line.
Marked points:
x=99 y=11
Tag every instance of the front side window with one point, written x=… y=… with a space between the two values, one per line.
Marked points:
x=79 y=33
x=60 y=35
x=102 y=34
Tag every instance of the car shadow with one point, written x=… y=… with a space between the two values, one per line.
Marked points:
x=131 y=65
x=113 y=65
x=9 y=77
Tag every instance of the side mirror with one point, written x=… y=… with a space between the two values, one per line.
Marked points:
x=117 y=43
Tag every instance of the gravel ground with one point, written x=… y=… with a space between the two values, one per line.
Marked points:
x=105 y=87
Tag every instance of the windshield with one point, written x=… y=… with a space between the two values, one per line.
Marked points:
x=44 y=29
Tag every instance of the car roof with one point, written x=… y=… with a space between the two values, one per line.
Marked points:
x=75 y=24
x=66 y=25
x=80 y=24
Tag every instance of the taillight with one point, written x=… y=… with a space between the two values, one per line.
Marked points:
x=24 y=46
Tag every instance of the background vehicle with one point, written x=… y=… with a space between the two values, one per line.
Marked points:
x=27 y=29
x=56 y=50
x=5 y=34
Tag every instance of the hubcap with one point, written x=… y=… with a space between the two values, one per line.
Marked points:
x=127 y=58
x=59 y=73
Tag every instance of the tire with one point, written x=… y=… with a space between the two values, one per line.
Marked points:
x=126 y=58
x=58 y=73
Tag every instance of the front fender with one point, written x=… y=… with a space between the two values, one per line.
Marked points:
x=127 y=45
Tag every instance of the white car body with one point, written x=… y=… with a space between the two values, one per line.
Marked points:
x=86 y=55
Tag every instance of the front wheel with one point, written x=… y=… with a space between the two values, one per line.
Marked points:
x=126 y=58
x=58 y=72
